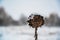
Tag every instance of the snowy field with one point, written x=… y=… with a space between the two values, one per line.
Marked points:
x=27 y=33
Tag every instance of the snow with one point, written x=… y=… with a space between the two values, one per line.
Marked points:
x=27 y=33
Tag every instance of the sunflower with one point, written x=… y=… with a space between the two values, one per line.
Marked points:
x=36 y=22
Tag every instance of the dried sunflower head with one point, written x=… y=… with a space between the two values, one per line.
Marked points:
x=37 y=21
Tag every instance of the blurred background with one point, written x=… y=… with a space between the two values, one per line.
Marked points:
x=15 y=13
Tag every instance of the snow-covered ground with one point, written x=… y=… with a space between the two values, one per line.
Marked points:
x=27 y=33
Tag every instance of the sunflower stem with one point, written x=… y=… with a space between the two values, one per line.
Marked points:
x=36 y=33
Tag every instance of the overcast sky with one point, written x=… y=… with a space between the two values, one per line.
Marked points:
x=16 y=7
